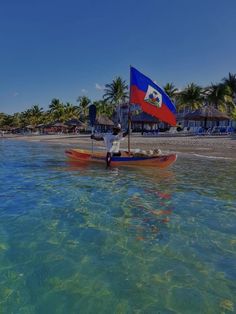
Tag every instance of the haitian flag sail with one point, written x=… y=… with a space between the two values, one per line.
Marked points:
x=151 y=98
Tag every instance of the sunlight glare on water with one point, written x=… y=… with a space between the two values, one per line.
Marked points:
x=83 y=239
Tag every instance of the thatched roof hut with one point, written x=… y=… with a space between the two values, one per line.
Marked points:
x=144 y=117
x=75 y=122
x=59 y=125
x=144 y=122
x=103 y=120
x=103 y=123
x=207 y=112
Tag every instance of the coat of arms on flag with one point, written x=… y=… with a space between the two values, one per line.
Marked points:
x=153 y=97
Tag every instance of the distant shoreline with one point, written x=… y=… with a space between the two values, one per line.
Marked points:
x=199 y=146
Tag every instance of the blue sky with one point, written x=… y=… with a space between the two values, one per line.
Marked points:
x=65 y=49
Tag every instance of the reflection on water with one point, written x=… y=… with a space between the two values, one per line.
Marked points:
x=85 y=239
x=140 y=211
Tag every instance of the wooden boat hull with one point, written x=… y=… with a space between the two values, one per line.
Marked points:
x=81 y=155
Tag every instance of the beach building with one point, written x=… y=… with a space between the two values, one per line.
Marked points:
x=120 y=114
x=140 y=121
x=189 y=118
x=103 y=124
x=144 y=122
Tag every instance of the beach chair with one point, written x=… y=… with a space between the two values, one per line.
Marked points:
x=185 y=130
x=200 y=131
x=223 y=130
x=172 y=130
x=213 y=130
x=191 y=130
x=229 y=130
x=209 y=131
x=151 y=133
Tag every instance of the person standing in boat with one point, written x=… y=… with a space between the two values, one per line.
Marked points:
x=112 y=141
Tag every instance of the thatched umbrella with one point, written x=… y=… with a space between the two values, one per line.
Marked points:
x=104 y=122
x=6 y=128
x=142 y=118
x=74 y=122
x=206 y=113
x=59 y=125
x=41 y=126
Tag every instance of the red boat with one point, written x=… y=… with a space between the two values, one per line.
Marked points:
x=161 y=161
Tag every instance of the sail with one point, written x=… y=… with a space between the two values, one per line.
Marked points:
x=151 y=98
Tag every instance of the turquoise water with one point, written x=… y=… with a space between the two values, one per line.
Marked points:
x=89 y=240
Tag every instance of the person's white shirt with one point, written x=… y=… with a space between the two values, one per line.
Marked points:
x=112 y=142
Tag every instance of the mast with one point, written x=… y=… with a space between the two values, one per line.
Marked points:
x=129 y=122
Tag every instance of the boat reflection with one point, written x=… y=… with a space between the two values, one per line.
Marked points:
x=149 y=211
x=151 y=215
x=144 y=214
x=73 y=165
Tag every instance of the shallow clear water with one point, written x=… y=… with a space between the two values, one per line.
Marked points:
x=89 y=240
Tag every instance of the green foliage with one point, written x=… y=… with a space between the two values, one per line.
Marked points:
x=3 y=118
x=116 y=92
x=233 y=113
x=83 y=106
x=230 y=81
x=191 y=97
x=171 y=90
x=71 y=111
x=7 y=121
x=104 y=108
x=32 y=116
x=222 y=96
x=57 y=110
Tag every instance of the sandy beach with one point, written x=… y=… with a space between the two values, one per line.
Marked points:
x=211 y=146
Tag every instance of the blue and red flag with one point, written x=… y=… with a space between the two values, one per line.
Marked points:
x=151 y=98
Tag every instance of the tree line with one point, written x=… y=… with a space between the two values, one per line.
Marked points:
x=221 y=96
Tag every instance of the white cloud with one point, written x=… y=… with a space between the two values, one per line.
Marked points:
x=84 y=91
x=15 y=94
x=99 y=87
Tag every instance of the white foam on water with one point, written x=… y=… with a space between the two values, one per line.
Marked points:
x=212 y=157
x=204 y=156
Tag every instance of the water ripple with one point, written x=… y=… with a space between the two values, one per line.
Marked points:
x=86 y=239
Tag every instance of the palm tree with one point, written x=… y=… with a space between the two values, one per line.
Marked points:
x=25 y=117
x=116 y=92
x=17 y=120
x=36 y=114
x=104 y=108
x=84 y=102
x=171 y=90
x=233 y=113
x=2 y=119
x=56 y=109
x=71 y=111
x=7 y=120
x=32 y=116
x=220 y=96
x=47 y=117
x=231 y=82
x=191 y=97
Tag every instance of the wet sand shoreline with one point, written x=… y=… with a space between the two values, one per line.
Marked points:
x=221 y=146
